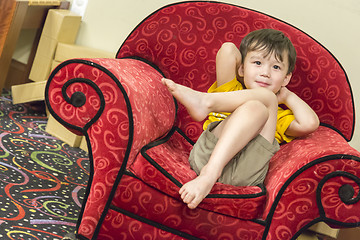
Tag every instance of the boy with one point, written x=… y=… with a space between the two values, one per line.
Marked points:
x=244 y=127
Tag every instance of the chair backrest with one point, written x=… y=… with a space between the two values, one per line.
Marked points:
x=182 y=40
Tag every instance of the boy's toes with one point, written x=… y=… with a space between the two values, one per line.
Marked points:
x=193 y=204
x=188 y=198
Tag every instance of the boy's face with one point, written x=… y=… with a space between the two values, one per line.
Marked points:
x=267 y=72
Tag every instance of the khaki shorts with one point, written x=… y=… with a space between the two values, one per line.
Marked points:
x=247 y=168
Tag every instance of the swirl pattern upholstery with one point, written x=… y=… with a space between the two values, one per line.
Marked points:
x=139 y=139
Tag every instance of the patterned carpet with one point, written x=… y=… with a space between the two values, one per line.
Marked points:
x=42 y=180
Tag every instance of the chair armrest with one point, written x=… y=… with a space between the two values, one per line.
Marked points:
x=312 y=178
x=120 y=105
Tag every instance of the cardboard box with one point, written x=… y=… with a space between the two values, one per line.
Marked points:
x=55 y=46
x=28 y=92
x=308 y=236
x=83 y=144
x=47 y=47
x=54 y=64
x=60 y=26
x=57 y=130
x=41 y=71
x=34 y=91
x=324 y=229
x=44 y=2
x=66 y=51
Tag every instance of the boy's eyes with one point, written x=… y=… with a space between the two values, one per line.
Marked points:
x=277 y=67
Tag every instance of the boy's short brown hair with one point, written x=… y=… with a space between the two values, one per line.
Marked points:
x=271 y=41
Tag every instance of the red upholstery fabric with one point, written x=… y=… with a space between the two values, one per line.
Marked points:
x=110 y=135
x=295 y=173
x=138 y=147
x=153 y=205
x=172 y=158
x=182 y=40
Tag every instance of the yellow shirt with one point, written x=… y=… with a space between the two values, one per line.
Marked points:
x=284 y=117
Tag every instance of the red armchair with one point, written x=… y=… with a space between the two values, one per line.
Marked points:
x=139 y=139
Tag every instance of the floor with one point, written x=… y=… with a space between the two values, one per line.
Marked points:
x=42 y=180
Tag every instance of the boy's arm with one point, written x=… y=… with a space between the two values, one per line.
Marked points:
x=306 y=121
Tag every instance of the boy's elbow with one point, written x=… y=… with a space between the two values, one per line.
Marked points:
x=297 y=129
x=314 y=125
x=311 y=125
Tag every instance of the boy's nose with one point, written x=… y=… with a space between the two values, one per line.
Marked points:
x=265 y=72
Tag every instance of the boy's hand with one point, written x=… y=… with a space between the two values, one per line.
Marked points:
x=306 y=120
x=282 y=95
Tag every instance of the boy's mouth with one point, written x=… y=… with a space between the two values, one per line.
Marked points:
x=262 y=84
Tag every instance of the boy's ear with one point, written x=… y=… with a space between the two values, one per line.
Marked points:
x=241 y=70
x=287 y=80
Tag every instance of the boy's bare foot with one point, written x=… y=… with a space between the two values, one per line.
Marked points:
x=193 y=192
x=191 y=99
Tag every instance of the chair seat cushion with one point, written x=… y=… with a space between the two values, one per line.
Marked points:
x=164 y=165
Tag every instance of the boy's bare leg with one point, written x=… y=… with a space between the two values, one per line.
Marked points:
x=194 y=101
x=200 y=104
x=255 y=118
x=228 y=60
x=253 y=112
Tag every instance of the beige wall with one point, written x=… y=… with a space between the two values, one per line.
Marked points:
x=334 y=23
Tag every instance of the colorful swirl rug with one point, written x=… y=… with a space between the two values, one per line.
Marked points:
x=42 y=179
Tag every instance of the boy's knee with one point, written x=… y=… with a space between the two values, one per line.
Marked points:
x=269 y=98
x=228 y=48
x=257 y=108
x=229 y=55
